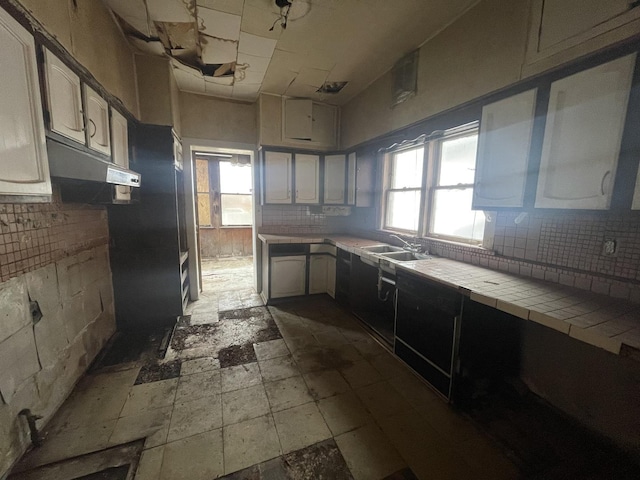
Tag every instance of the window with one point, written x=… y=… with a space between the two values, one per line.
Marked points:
x=224 y=193
x=404 y=192
x=444 y=199
x=235 y=194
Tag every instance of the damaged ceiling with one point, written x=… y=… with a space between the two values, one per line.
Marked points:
x=239 y=48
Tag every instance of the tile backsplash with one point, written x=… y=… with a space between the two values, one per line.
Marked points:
x=298 y=219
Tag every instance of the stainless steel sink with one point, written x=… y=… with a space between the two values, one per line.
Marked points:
x=404 y=256
x=382 y=249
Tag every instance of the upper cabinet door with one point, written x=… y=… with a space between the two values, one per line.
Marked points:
x=24 y=169
x=64 y=99
x=120 y=150
x=298 y=119
x=334 y=179
x=351 y=179
x=503 y=151
x=120 y=139
x=277 y=177
x=582 y=136
x=98 y=121
x=307 y=178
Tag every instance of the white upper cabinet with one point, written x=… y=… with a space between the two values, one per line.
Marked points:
x=351 y=179
x=582 y=136
x=503 y=151
x=24 y=169
x=334 y=179
x=277 y=177
x=310 y=123
x=307 y=178
x=120 y=150
x=298 y=119
x=98 y=121
x=64 y=99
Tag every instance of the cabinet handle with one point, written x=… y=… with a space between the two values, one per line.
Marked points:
x=606 y=174
x=95 y=129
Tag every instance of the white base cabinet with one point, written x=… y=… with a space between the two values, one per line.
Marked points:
x=288 y=276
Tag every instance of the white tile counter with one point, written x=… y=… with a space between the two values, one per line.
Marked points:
x=598 y=320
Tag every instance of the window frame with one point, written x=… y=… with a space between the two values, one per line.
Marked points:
x=387 y=180
x=432 y=145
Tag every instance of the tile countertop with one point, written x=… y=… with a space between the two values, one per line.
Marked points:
x=598 y=320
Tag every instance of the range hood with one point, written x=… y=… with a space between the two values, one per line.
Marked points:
x=67 y=162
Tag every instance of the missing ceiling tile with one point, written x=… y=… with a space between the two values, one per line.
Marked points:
x=405 y=78
x=331 y=87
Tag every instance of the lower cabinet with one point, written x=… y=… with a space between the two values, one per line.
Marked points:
x=288 y=276
x=322 y=274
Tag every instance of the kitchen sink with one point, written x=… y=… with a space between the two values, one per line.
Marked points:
x=404 y=256
x=382 y=249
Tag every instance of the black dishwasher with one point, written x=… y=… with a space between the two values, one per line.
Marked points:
x=427 y=329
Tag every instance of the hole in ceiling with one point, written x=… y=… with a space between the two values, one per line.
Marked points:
x=331 y=87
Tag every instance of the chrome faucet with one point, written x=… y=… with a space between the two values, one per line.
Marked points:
x=411 y=247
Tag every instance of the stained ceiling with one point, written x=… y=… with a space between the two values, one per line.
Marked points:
x=240 y=48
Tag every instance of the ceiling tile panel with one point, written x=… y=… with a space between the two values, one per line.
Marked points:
x=217 y=89
x=228 y=6
x=258 y=21
x=219 y=24
x=248 y=77
x=258 y=64
x=217 y=50
x=169 y=11
x=134 y=13
x=256 y=45
x=189 y=81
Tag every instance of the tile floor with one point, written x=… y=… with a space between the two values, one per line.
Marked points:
x=323 y=400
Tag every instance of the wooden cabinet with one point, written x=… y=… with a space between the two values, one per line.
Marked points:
x=351 y=178
x=277 y=177
x=120 y=150
x=334 y=179
x=64 y=99
x=322 y=274
x=97 y=110
x=24 y=169
x=503 y=151
x=309 y=122
x=582 y=136
x=288 y=276
x=307 y=178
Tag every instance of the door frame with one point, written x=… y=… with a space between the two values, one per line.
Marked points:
x=189 y=145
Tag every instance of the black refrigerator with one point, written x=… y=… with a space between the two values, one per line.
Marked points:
x=149 y=255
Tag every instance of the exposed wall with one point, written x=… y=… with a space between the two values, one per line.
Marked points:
x=479 y=53
x=211 y=118
x=225 y=242
x=57 y=255
x=87 y=31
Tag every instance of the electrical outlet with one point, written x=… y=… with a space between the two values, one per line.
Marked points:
x=609 y=247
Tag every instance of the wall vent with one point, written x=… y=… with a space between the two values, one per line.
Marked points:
x=405 y=78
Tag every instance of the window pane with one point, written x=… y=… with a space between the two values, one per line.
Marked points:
x=452 y=215
x=235 y=178
x=236 y=209
x=458 y=160
x=403 y=210
x=204 y=209
x=202 y=175
x=406 y=169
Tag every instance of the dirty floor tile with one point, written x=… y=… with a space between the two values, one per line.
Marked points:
x=320 y=461
x=382 y=400
x=344 y=412
x=287 y=393
x=244 y=404
x=191 y=417
x=271 y=349
x=300 y=426
x=241 y=376
x=360 y=374
x=199 y=365
x=326 y=383
x=369 y=454
x=250 y=442
x=150 y=464
x=150 y=395
x=278 y=368
x=198 y=385
x=194 y=458
x=140 y=425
